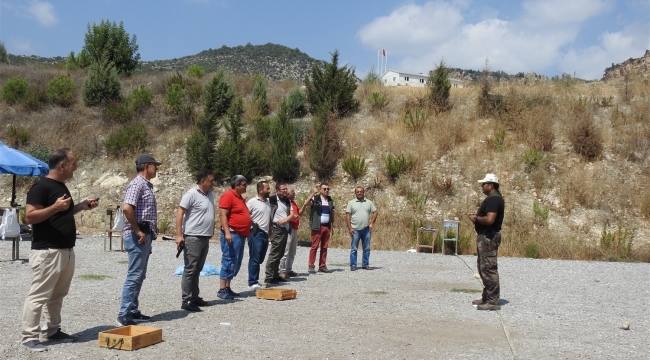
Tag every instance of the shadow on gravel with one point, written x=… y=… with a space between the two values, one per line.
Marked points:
x=503 y=302
x=91 y=334
x=170 y=315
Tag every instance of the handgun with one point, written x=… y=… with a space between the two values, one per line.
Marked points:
x=180 y=249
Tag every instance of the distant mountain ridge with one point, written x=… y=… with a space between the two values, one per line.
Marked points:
x=629 y=66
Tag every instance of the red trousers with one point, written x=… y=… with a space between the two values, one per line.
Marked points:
x=319 y=238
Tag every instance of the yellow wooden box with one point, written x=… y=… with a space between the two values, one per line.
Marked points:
x=276 y=294
x=130 y=337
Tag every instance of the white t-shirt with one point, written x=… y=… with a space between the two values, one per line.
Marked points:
x=199 y=217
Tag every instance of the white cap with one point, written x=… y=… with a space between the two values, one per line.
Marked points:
x=489 y=178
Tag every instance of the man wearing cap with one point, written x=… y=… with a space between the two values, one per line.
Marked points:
x=487 y=223
x=236 y=224
x=50 y=209
x=360 y=217
x=194 y=228
x=139 y=230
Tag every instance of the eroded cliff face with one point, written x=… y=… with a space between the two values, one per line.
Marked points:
x=629 y=66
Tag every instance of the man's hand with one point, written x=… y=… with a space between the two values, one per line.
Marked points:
x=62 y=203
x=370 y=227
x=228 y=237
x=351 y=231
x=142 y=237
x=179 y=240
x=89 y=204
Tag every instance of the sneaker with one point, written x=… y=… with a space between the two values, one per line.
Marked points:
x=34 y=345
x=488 y=306
x=353 y=268
x=478 y=302
x=200 y=302
x=187 y=305
x=140 y=317
x=224 y=294
x=366 y=268
x=125 y=321
x=232 y=292
x=324 y=269
x=255 y=287
x=61 y=336
x=311 y=270
x=292 y=273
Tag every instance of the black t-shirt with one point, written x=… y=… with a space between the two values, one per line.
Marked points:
x=59 y=231
x=493 y=203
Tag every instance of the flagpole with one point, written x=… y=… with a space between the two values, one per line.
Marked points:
x=386 y=62
x=378 y=69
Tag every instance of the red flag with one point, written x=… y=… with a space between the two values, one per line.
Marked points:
x=383 y=52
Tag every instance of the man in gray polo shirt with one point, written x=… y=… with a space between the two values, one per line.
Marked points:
x=194 y=228
x=258 y=241
x=360 y=217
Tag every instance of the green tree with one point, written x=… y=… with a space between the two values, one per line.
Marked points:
x=296 y=104
x=109 y=41
x=259 y=96
x=332 y=85
x=61 y=90
x=439 y=87
x=217 y=98
x=80 y=61
x=283 y=148
x=325 y=149
x=15 y=90
x=4 y=59
x=102 y=85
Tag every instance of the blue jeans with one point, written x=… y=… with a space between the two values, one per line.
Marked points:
x=257 y=246
x=231 y=255
x=138 y=257
x=364 y=235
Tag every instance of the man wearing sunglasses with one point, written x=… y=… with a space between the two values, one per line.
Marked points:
x=321 y=221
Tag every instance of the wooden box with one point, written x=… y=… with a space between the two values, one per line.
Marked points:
x=276 y=294
x=130 y=337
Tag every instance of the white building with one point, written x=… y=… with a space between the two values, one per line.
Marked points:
x=396 y=78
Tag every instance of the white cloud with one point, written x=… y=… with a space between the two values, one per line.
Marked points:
x=43 y=12
x=542 y=39
x=20 y=47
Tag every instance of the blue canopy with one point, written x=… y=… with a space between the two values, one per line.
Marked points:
x=16 y=162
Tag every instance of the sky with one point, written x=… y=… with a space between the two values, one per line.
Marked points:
x=548 y=37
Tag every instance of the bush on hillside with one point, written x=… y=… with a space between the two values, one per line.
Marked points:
x=296 y=104
x=259 y=101
x=439 y=86
x=585 y=137
x=195 y=71
x=61 y=90
x=355 y=166
x=325 y=149
x=283 y=162
x=108 y=41
x=140 y=98
x=15 y=90
x=127 y=141
x=17 y=136
x=119 y=112
x=397 y=165
x=102 y=84
x=332 y=86
x=4 y=59
x=174 y=98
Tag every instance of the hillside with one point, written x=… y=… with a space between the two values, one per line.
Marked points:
x=573 y=157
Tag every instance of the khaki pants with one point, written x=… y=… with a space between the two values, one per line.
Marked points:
x=286 y=263
x=53 y=270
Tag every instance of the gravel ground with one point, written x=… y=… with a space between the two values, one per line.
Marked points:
x=411 y=306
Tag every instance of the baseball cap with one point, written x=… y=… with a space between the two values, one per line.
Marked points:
x=146 y=159
x=489 y=178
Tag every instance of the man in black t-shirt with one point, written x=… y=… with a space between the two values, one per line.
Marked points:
x=50 y=210
x=487 y=223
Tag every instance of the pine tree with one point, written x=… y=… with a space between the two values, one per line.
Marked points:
x=334 y=86
x=439 y=86
x=217 y=99
x=4 y=59
x=283 y=148
x=325 y=149
x=259 y=100
x=109 y=41
x=102 y=85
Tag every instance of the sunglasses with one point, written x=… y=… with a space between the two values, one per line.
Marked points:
x=326 y=189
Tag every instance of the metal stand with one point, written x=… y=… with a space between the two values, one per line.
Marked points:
x=417 y=239
x=110 y=231
x=449 y=226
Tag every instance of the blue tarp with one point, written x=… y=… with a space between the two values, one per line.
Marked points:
x=207 y=270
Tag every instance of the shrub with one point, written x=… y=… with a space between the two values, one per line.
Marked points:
x=415 y=119
x=175 y=78
x=397 y=165
x=355 y=166
x=40 y=151
x=61 y=90
x=174 y=98
x=325 y=147
x=259 y=100
x=140 y=98
x=532 y=158
x=108 y=41
x=129 y=140
x=18 y=136
x=81 y=61
x=418 y=200
x=283 y=149
x=32 y=99
x=531 y=251
x=540 y=213
x=15 y=90
x=584 y=135
x=439 y=86
x=119 y=112
x=296 y=104
x=333 y=87
x=195 y=71
x=102 y=85
x=497 y=140
x=377 y=101
x=617 y=245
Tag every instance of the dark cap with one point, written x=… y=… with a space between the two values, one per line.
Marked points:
x=146 y=159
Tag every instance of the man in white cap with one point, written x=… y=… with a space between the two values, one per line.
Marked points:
x=487 y=223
